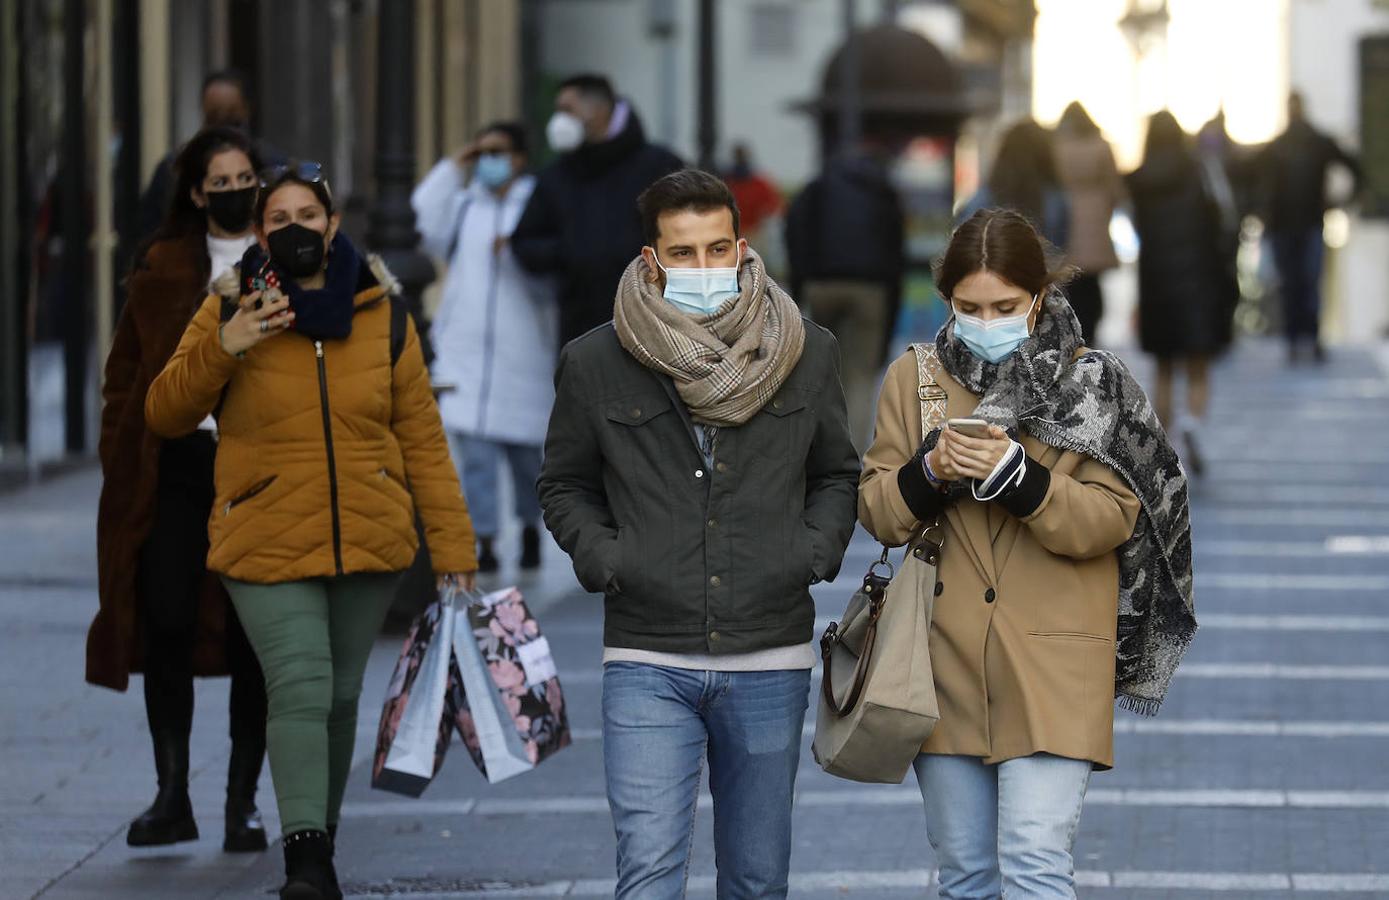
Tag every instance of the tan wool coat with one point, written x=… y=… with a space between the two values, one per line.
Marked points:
x=1022 y=639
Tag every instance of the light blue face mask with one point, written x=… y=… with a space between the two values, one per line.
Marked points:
x=699 y=292
x=493 y=169
x=994 y=341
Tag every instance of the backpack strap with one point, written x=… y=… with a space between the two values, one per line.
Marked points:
x=400 y=327
x=928 y=390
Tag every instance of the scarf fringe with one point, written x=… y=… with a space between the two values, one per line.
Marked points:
x=1143 y=706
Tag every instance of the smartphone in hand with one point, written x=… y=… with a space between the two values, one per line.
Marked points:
x=975 y=428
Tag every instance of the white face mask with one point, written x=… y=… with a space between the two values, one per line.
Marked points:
x=994 y=340
x=565 y=132
x=699 y=292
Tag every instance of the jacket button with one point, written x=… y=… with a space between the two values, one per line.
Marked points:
x=715 y=581
x=989 y=595
x=636 y=412
x=699 y=473
x=940 y=588
x=713 y=635
x=776 y=404
x=713 y=523
x=722 y=467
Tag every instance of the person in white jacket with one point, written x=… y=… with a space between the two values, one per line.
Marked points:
x=495 y=332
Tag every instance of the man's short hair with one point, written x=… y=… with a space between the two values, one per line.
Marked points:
x=515 y=133
x=595 y=87
x=688 y=189
x=228 y=76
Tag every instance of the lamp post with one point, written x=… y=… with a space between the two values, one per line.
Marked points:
x=708 y=85
x=850 y=106
x=391 y=220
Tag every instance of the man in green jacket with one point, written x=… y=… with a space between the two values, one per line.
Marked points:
x=700 y=471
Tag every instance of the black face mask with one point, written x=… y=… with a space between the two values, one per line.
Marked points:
x=297 y=250
x=231 y=210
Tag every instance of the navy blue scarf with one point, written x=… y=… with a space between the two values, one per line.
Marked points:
x=322 y=314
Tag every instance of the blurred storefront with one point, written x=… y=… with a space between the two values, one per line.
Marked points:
x=93 y=93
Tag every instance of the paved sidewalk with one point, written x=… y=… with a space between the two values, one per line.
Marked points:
x=1267 y=774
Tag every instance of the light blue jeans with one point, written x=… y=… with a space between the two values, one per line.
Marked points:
x=658 y=726
x=1003 y=830
x=480 y=464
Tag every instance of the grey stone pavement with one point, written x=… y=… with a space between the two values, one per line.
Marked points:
x=1266 y=775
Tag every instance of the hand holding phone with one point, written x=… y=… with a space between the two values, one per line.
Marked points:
x=975 y=428
x=968 y=448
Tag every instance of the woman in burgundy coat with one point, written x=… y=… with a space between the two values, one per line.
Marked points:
x=161 y=613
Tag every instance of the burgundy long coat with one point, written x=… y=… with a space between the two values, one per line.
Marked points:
x=163 y=293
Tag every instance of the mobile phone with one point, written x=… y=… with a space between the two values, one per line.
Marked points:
x=975 y=428
x=264 y=280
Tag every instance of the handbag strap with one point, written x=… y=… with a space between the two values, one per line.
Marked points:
x=928 y=389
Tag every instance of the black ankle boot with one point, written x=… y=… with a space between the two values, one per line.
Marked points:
x=530 y=548
x=308 y=866
x=486 y=558
x=334 y=891
x=245 y=832
x=169 y=820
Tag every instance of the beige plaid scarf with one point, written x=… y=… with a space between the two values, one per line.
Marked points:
x=727 y=365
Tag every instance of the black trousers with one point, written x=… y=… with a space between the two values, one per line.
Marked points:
x=172 y=568
x=1088 y=303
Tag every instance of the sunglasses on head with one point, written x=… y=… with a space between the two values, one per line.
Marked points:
x=307 y=171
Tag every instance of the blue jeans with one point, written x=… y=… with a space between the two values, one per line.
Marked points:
x=1003 y=830
x=1298 y=256
x=481 y=461
x=658 y=725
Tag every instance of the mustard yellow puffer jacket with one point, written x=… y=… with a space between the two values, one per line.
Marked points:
x=322 y=446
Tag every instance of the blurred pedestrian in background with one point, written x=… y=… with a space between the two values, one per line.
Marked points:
x=581 y=222
x=1186 y=296
x=1086 y=171
x=329 y=437
x=161 y=611
x=1039 y=536
x=1293 y=169
x=699 y=471
x=226 y=102
x=1024 y=179
x=495 y=332
x=756 y=195
x=845 y=245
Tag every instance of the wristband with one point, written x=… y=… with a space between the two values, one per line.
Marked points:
x=930 y=474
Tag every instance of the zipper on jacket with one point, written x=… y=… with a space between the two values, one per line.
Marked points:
x=332 y=462
x=247 y=494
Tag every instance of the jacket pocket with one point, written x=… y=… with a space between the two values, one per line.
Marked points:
x=630 y=428
x=780 y=426
x=252 y=491
x=1070 y=636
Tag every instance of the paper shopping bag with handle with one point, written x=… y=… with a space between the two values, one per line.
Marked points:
x=414 y=734
x=504 y=696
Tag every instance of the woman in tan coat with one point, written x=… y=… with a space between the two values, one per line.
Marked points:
x=329 y=439
x=1065 y=570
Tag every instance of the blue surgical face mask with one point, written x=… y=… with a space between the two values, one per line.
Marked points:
x=493 y=169
x=995 y=340
x=699 y=292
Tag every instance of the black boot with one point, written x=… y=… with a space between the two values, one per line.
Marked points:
x=530 y=548
x=169 y=819
x=334 y=891
x=245 y=832
x=486 y=557
x=308 y=866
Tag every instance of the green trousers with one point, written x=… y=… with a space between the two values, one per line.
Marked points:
x=313 y=639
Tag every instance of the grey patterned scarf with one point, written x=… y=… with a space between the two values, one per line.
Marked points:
x=1094 y=406
x=726 y=365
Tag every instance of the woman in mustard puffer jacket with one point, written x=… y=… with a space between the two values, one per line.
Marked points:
x=329 y=437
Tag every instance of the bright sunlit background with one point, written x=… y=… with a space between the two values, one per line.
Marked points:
x=1230 y=52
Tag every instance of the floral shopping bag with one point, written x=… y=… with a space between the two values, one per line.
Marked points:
x=414 y=733
x=504 y=694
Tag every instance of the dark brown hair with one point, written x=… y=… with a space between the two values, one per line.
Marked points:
x=1003 y=242
x=306 y=173
x=1024 y=170
x=688 y=189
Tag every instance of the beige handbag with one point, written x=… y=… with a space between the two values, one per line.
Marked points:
x=878 y=695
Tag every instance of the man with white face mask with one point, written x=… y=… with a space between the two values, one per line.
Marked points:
x=700 y=472
x=581 y=222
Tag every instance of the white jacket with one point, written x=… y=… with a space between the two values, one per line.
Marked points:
x=496 y=332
